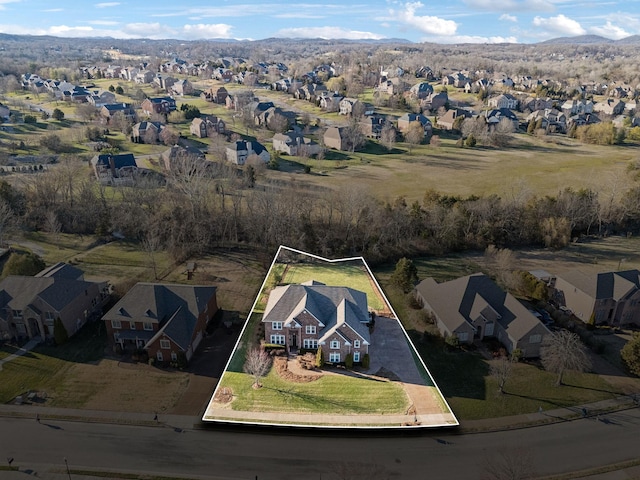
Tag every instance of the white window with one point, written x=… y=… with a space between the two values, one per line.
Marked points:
x=335 y=344
x=132 y=325
x=334 y=357
x=356 y=344
x=116 y=324
x=276 y=325
x=159 y=356
x=17 y=314
x=462 y=336
x=278 y=339
x=165 y=344
x=309 y=343
x=48 y=315
x=310 y=329
x=174 y=357
x=356 y=356
x=116 y=337
x=535 y=338
x=148 y=326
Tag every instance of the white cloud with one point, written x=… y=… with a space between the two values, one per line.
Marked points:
x=50 y=10
x=505 y=17
x=298 y=15
x=512 y=5
x=4 y=2
x=560 y=25
x=425 y=23
x=610 y=30
x=326 y=33
x=203 y=30
x=107 y=4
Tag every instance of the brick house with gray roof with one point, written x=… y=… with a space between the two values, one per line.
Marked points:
x=313 y=315
x=167 y=320
x=475 y=307
x=30 y=305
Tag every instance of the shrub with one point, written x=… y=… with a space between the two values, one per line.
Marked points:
x=23 y=264
x=57 y=114
x=348 y=361
x=630 y=354
x=59 y=332
x=470 y=141
x=319 y=358
x=366 y=361
x=30 y=119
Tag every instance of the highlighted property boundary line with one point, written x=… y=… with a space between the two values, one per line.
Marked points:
x=303 y=420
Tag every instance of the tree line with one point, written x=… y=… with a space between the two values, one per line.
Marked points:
x=205 y=205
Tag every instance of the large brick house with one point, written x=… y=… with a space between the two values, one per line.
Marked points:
x=166 y=320
x=29 y=306
x=313 y=315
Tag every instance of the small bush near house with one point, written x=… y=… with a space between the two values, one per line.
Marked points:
x=319 y=358
x=348 y=361
x=366 y=361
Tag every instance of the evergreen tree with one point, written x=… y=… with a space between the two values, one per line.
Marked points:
x=405 y=275
x=59 y=332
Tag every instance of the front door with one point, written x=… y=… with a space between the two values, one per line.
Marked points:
x=294 y=340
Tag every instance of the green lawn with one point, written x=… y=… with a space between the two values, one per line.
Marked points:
x=337 y=275
x=331 y=394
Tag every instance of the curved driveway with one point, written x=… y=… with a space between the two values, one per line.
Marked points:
x=232 y=454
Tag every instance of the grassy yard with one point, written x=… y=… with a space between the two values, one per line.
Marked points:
x=474 y=394
x=338 y=275
x=332 y=394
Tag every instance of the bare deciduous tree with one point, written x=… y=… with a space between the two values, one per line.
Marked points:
x=388 y=136
x=563 y=351
x=414 y=134
x=7 y=220
x=257 y=364
x=501 y=370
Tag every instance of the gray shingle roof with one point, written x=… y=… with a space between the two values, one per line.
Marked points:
x=174 y=307
x=613 y=285
x=465 y=298
x=19 y=291
x=333 y=306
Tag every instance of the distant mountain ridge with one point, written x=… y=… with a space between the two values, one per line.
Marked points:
x=591 y=40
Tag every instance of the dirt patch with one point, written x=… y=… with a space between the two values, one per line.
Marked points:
x=224 y=395
x=290 y=371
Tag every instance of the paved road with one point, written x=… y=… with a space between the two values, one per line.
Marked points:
x=231 y=454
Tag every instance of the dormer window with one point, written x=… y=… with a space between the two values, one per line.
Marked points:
x=122 y=311
x=148 y=313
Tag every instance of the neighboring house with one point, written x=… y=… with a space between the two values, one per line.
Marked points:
x=293 y=143
x=108 y=111
x=183 y=159
x=29 y=306
x=337 y=137
x=182 y=87
x=205 y=125
x=238 y=152
x=330 y=102
x=503 y=101
x=101 y=97
x=147 y=132
x=609 y=106
x=169 y=321
x=495 y=116
x=475 y=307
x=421 y=90
x=550 y=119
x=406 y=120
x=611 y=298
x=145 y=76
x=163 y=105
x=425 y=72
x=348 y=106
x=119 y=169
x=448 y=120
x=313 y=315
x=164 y=83
x=435 y=101
x=577 y=107
x=371 y=126
x=216 y=95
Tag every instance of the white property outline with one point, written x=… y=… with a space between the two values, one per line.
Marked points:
x=350 y=426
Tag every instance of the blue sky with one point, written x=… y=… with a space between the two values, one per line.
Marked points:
x=441 y=21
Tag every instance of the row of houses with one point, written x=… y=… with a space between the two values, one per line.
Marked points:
x=167 y=320
x=475 y=307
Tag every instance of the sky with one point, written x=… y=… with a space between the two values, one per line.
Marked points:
x=440 y=21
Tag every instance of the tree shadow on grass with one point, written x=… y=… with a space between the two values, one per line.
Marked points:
x=318 y=400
